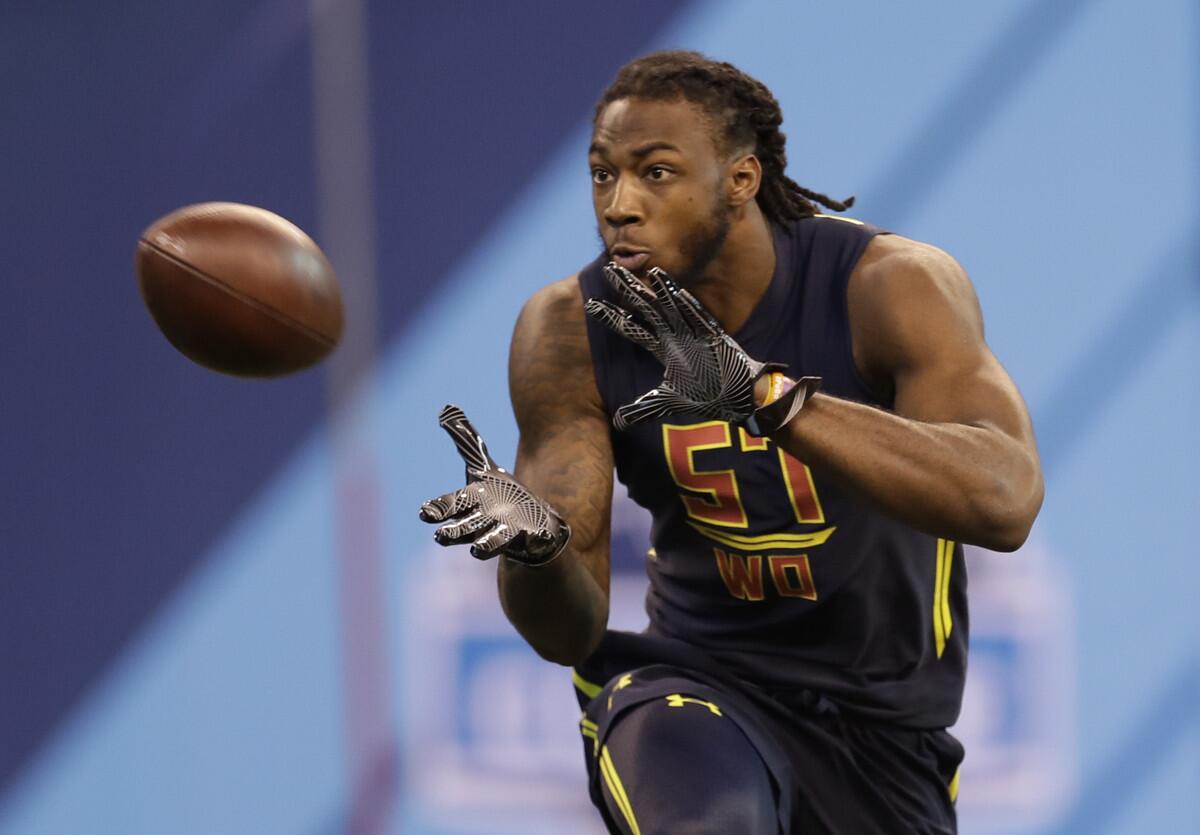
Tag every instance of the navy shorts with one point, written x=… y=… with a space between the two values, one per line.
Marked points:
x=673 y=750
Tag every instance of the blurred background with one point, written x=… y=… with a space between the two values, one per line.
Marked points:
x=218 y=611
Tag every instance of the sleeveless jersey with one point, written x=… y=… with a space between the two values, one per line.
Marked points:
x=773 y=572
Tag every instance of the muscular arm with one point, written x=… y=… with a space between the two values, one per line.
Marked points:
x=565 y=457
x=957 y=457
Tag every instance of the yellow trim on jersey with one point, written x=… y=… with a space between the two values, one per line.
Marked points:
x=767 y=541
x=842 y=219
x=948 y=624
x=953 y=787
x=749 y=443
x=584 y=686
x=942 y=622
x=617 y=790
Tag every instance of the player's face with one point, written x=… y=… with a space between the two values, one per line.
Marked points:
x=657 y=187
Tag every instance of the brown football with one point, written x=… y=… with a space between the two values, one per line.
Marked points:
x=239 y=289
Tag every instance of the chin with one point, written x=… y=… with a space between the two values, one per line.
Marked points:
x=655 y=263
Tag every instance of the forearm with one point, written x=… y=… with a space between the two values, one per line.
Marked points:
x=973 y=484
x=560 y=609
x=565 y=458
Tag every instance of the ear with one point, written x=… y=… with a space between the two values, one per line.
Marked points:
x=743 y=180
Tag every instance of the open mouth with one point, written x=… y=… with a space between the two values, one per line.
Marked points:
x=632 y=263
x=629 y=259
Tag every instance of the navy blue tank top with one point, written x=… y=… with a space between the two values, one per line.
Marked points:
x=761 y=565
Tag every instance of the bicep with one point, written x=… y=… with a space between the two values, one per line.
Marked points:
x=925 y=329
x=971 y=390
x=564 y=454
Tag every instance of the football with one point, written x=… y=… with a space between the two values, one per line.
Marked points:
x=239 y=289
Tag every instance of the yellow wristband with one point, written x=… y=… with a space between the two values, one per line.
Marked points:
x=776 y=386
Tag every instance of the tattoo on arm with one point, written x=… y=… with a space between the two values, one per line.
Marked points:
x=565 y=454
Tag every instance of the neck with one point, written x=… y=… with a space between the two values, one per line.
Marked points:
x=739 y=275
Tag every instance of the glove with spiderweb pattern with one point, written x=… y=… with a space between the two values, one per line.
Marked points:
x=494 y=512
x=707 y=373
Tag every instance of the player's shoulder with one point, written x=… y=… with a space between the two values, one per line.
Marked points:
x=553 y=316
x=557 y=294
x=902 y=294
x=550 y=361
x=894 y=268
x=557 y=306
x=891 y=256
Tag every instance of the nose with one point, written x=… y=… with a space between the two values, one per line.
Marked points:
x=625 y=206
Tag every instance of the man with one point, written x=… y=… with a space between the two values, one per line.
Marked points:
x=808 y=614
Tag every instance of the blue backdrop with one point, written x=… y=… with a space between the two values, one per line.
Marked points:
x=217 y=610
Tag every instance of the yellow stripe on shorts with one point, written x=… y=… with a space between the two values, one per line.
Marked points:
x=617 y=790
x=588 y=729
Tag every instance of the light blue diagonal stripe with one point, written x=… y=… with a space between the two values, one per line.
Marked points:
x=966 y=112
x=1116 y=352
x=1164 y=726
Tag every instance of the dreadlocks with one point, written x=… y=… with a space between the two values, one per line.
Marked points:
x=741 y=108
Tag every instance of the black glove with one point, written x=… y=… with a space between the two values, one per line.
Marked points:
x=494 y=512
x=707 y=373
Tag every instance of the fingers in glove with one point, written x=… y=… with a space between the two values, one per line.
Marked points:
x=462 y=530
x=665 y=292
x=656 y=403
x=633 y=293
x=494 y=541
x=702 y=320
x=622 y=322
x=468 y=442
x=448 y=506
x=540 y=542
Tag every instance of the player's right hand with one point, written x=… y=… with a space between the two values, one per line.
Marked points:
x=494 y=512
x=706 y=373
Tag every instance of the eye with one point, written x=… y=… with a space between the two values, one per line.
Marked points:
x=600 y=176
x=658 y=172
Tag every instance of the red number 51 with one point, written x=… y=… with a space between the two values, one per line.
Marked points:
x=719 y=502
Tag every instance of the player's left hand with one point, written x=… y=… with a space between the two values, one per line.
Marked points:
x=707 y=372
